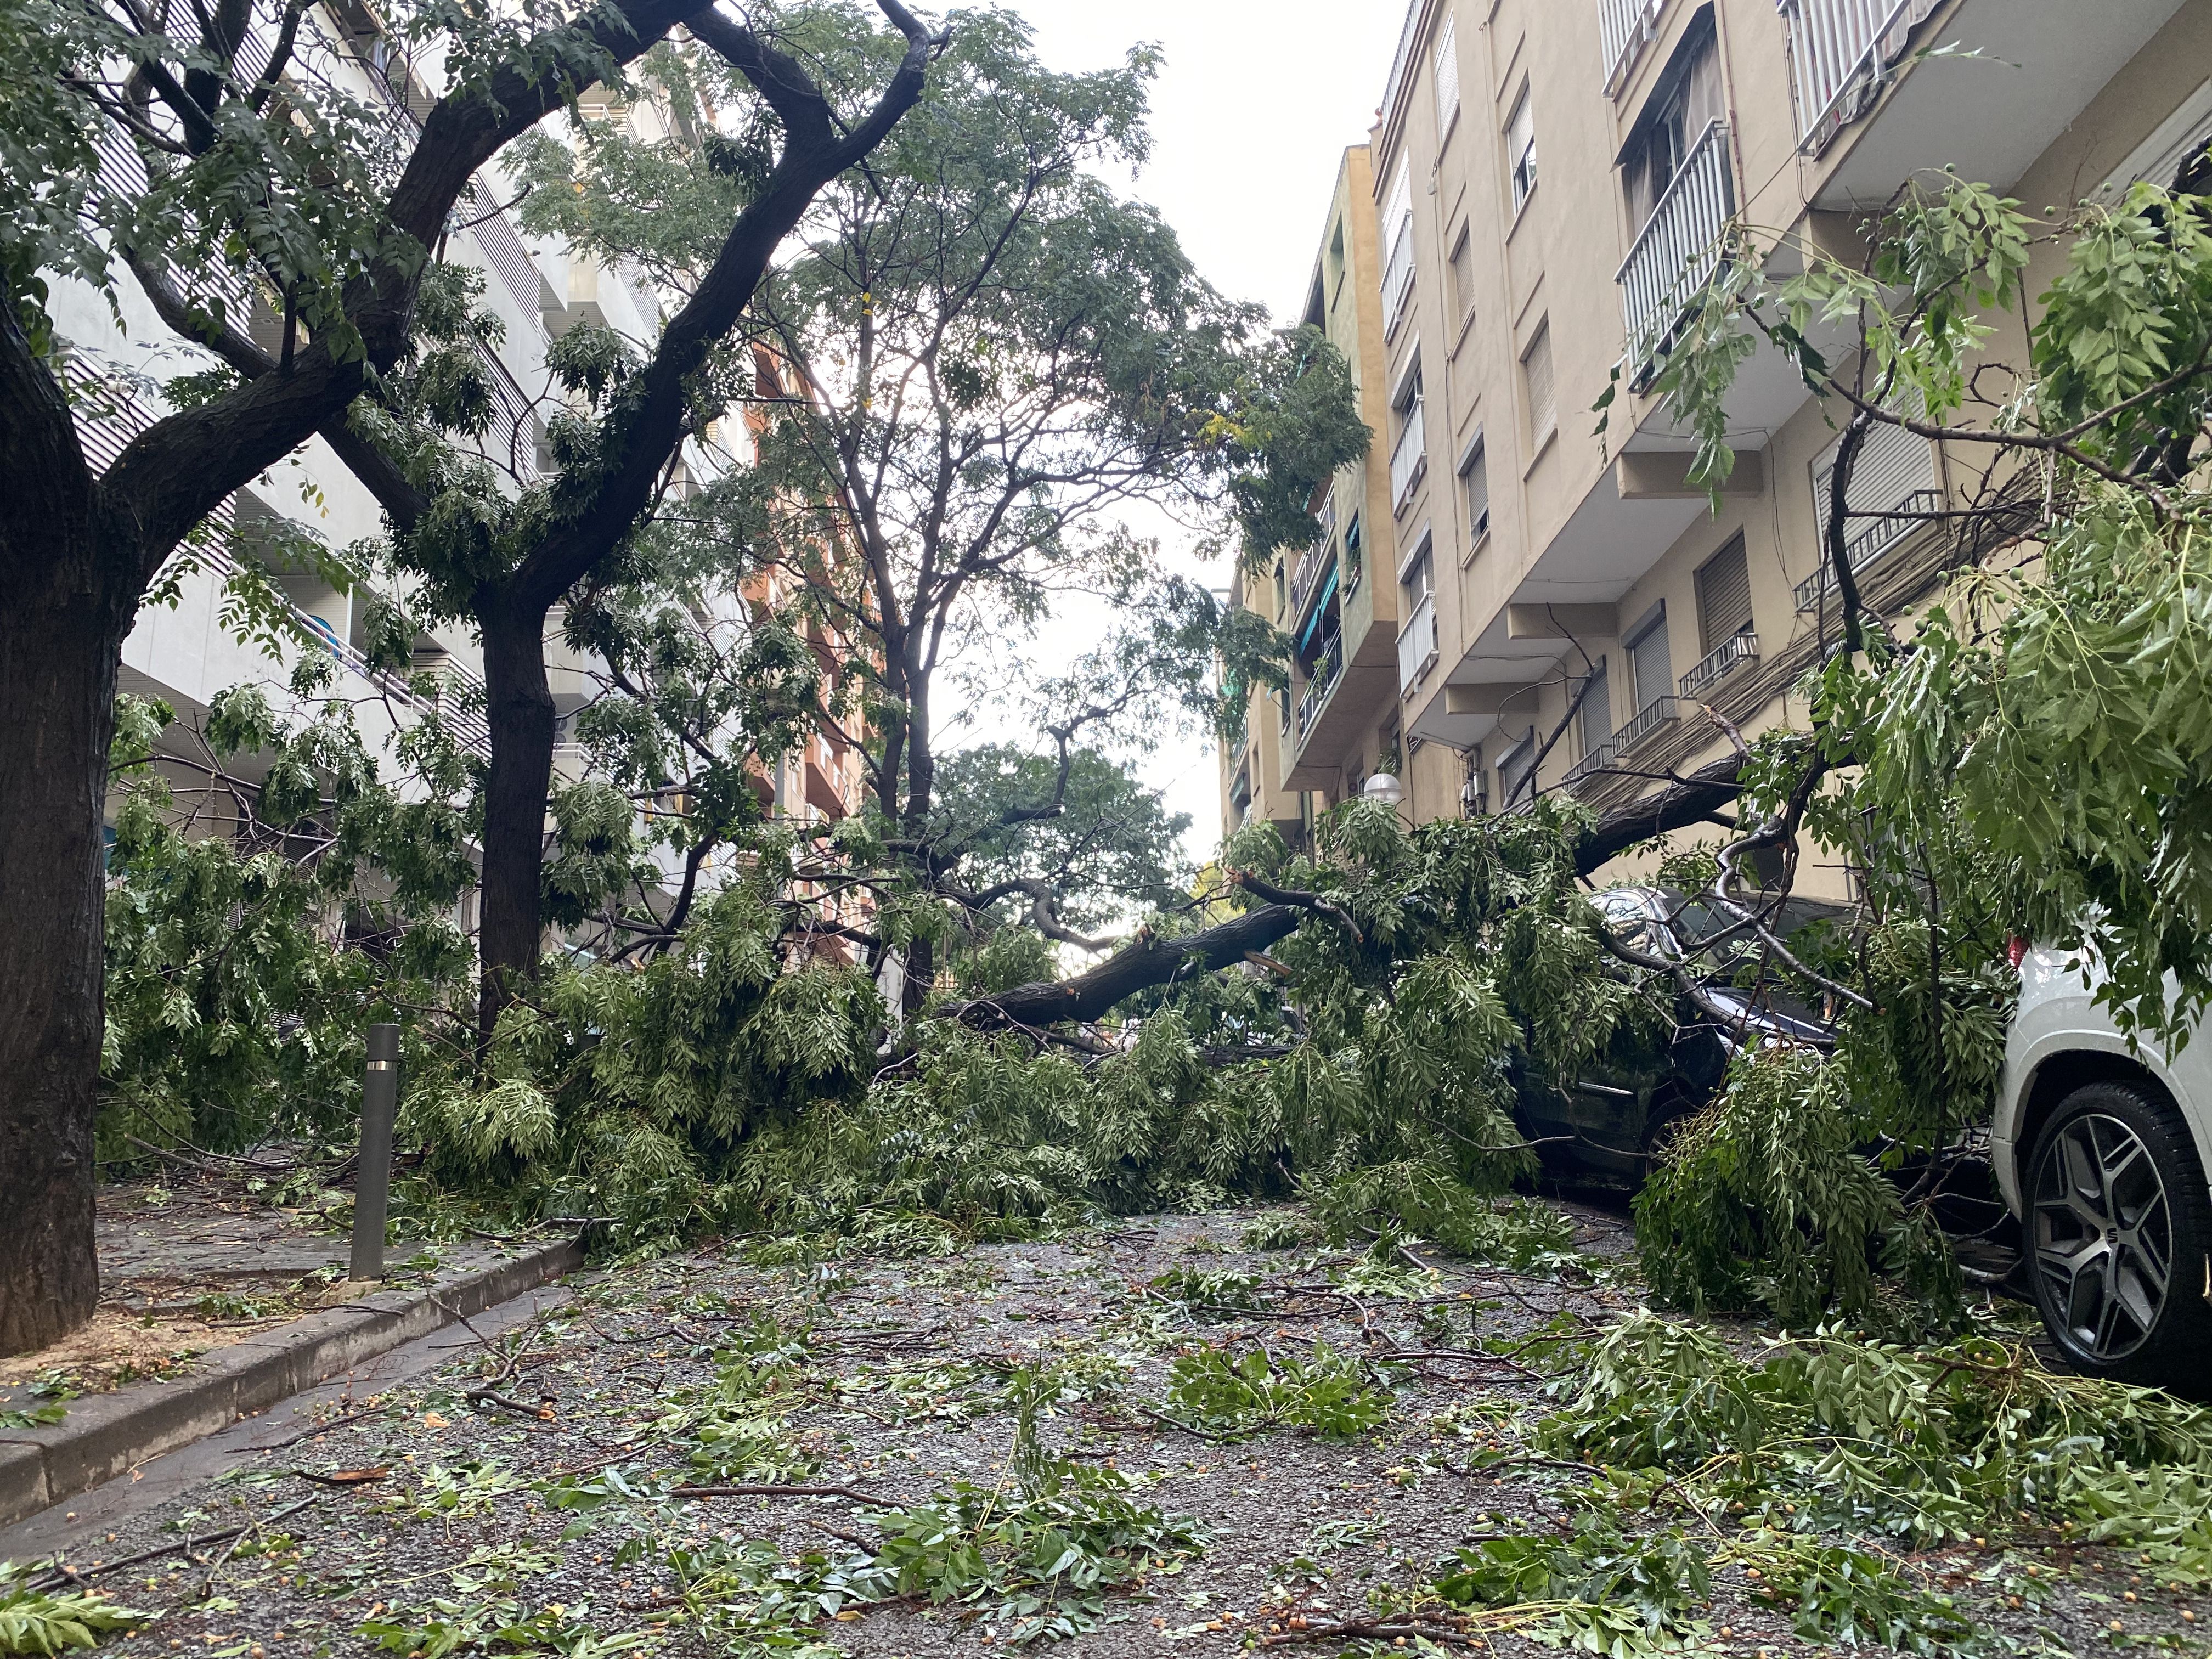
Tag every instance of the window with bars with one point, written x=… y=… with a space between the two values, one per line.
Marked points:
x=1724 y=597
x=1536 y=378
x=1520 y=150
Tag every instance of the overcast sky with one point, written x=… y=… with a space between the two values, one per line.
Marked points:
x=1251 y=113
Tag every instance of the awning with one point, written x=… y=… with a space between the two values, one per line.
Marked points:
x=1320 y=604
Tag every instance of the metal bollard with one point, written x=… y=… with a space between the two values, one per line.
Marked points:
x=372 y=1179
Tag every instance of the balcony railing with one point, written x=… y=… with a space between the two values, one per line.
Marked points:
x=1417 y=643
x=1679 y=250
x=1306 y=576
x=1328 y=669
x=1409 y=460
x=1839 y=50
x=1398 y=279
x=1625 y=26
x=1883 y=531
x=1737 y=648
x=1660 y=711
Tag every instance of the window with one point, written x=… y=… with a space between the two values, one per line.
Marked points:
x=1418 y=579
x=1462 y=275
x=1398 y=206
x=1474 y=479
x=1520 y=150
x=1515 y=767
x=1282 y=591
x=1724 y=597
x=1355 y=548
x=1688 y=99
x=1651 y=670
x=1446 y=71
x=1536 y=377
x=1596 y=715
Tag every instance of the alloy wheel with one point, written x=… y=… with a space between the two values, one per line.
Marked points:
x=2102 y=1235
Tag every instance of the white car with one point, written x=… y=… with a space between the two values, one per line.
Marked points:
x=2102 y=1155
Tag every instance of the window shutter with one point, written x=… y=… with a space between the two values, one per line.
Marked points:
x=1536 y=368
x=1597 y=712
x=1447 y=79
x=1723 y=596
x=1894 y=465
x=1649 y=665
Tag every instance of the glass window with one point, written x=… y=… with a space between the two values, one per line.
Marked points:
x=1419 y=579
x=1520 y=150
x=1474 y=478
x=1463 y=275
x=1674 y=121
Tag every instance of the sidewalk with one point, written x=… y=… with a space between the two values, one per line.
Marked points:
x=217 y=1302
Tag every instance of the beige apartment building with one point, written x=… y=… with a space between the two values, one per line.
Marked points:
x=1550 y=178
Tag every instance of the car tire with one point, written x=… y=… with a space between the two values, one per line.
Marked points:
x=2118 y=1235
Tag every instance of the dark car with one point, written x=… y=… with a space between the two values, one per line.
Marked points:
x=1610 y=1120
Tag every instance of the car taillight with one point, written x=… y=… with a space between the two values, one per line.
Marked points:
x=2016 y=952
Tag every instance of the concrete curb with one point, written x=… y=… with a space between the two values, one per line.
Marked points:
x=104 y=1435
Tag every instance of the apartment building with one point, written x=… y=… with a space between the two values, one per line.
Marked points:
x=1337 y=597
x=185 y=651
x=1551 y=178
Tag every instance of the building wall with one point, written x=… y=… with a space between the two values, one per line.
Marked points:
x=1588 y=536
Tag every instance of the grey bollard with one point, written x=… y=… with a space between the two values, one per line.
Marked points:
x=372 y=1179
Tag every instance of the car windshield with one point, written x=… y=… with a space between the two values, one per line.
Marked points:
x=1705 y=929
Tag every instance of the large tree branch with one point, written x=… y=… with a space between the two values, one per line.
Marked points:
x=174 y=474
x=641 y=434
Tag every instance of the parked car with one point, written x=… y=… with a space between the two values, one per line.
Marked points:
x=1611 y=1119
x=2102 y=1154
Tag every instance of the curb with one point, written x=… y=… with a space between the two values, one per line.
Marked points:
x=106 y=1435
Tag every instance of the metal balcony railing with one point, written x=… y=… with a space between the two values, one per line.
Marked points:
x=1328 y=669
x=1659 y=712
x=1882 y=532
x=1679 y=249
x=1625 y=26
x=1306 y=576
x=1398 y=279
x=1417 y=643
x=1838 y=53
x=1737 y=648
x=1409 y=458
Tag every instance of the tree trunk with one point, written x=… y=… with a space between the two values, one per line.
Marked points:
x=59 y=645
x=519 y=711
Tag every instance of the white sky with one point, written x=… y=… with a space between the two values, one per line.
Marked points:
x=1251 y=112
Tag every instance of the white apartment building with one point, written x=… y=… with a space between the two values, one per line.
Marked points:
x=1551 y=178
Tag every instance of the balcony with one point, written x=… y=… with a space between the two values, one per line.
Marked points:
x=1398 y=280
x=1625 y=26
x=1328 y=669
x=1658 y=713
x=1841 y=51
x=1409 y=460
x=1678 y=251
x=1737 y=648
x=1417 y=643
x=1306 y=575
x=1882 y=532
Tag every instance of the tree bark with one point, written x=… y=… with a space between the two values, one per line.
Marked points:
x=61 y=634
x=519 y=708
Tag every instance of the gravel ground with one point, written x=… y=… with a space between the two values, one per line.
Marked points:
x=527 y=1483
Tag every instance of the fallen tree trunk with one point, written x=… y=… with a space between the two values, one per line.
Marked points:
x=1694 y=800
x=1150 y=959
